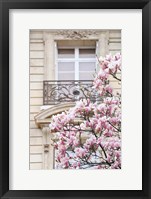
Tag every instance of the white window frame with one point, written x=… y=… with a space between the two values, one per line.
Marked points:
x=76 y=59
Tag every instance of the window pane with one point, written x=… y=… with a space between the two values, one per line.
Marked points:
x=65 y=53
x=65 y=76
x=86 y=76
x=87 y=66
x=87 y=53
x=65 y=66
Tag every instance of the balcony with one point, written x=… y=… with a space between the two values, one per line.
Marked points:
x=55 y=92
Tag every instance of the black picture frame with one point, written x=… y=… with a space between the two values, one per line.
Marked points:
x=5 y=5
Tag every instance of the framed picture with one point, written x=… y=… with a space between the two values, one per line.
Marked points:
x=75 y=99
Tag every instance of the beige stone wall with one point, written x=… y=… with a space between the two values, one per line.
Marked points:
x=36 y=96
x=39 y=71
x=115 y=47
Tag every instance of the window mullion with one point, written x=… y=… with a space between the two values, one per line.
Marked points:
x=76 y=64
x=56 y=61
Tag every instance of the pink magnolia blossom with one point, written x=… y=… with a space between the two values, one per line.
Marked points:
x=80 y=152
x=89 y=134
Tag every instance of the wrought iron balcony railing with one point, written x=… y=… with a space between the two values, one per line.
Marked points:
x=55 y=92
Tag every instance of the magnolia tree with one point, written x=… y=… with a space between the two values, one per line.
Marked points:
x=88 y=136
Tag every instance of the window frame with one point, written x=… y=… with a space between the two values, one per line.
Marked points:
x=77 y=60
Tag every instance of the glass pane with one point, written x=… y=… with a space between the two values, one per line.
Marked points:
x=87 y=66
x=65 y=53
x=65 y=66
x=86 y=76
x=87 y=53
x=65 y=76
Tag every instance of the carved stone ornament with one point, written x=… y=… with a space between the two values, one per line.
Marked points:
x=77 y=34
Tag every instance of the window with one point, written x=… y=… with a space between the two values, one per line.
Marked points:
x=76 y=63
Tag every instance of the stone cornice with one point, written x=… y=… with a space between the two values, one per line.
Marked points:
x=44 y=117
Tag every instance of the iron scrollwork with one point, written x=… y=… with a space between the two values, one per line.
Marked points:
x=67 y=91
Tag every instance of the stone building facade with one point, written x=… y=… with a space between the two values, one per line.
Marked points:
x=61 y=58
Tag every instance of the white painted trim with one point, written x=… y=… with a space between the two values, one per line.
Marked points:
x=73 y=47
x=76 y=63
x=66 y=72
x=56 y=63
x=76 y=59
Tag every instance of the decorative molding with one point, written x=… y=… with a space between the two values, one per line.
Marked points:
x=45 y=131
x=46 y=148
x=77 y=34
x=48 y=113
